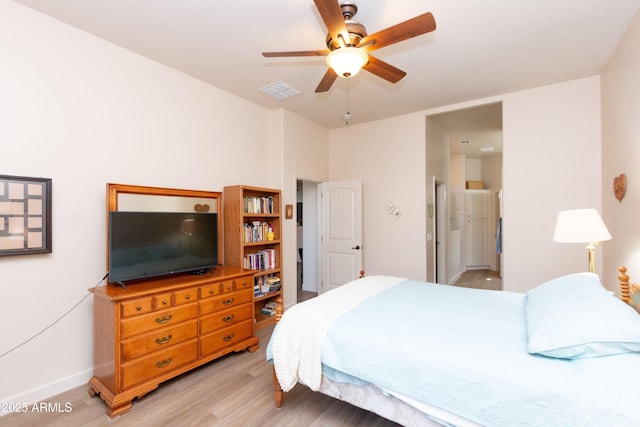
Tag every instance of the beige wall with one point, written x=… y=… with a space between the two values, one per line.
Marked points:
x=306 y=157
x=621 y=154
x=551 y=162
x=437 y=169
x=85 y=112
x=547 y=131
x=389 y=157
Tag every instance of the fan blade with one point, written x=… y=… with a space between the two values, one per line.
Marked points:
x=296 y=53
x=327 y=80
x=384 y=70
x=419 y=25
x=334 y=21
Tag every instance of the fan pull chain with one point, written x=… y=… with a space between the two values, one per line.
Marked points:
x=347 y=115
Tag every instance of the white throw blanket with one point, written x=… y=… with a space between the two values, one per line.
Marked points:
x=296 y=344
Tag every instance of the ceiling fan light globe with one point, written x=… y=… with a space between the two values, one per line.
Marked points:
x=347 y=61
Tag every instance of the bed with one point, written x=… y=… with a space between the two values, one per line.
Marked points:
x=418 y=353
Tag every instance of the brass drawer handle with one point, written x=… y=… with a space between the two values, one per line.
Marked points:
x=165 y=302
x=163 y=363
x=164 y=319
x=228 y=301
x=228 y=337
x=187 y=297
x=228 y=318
x=164 y=340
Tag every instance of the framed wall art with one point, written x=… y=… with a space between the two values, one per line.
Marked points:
x=25 y=215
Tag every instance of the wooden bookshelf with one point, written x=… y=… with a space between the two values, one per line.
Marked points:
x=250 y=215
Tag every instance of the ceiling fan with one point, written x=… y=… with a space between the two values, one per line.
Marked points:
x=349 y=44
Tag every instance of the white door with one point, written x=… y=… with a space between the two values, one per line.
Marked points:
x=477 y=204
x=341 y=233
x=477 y=237
x=440 y=228
x=477 y=228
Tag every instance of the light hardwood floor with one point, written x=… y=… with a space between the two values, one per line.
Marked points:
x=480 y=279
x=236 y=390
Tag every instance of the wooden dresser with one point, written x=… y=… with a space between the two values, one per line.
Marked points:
x=156 y=329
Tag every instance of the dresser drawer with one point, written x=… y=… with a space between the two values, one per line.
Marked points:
x=158 y=363
x=244 y=283
x=136 y=306
x=185 y=296
x=228 y=286
x=211 y=290
x=224 y=318
x=225 y=337
x=148 y=333
x=221 y=302
x=158 y=340
x=158 y=319
x=163 y=300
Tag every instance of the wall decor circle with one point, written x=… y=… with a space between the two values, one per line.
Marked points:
x=201 y=208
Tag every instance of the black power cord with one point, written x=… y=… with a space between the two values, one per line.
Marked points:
x=55 y=321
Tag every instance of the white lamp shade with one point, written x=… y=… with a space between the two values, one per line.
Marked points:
x=347 y=61
x=580 y=226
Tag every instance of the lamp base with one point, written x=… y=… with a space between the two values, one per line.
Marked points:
x=591 y=253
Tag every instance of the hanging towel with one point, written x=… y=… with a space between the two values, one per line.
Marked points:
x=499 y=237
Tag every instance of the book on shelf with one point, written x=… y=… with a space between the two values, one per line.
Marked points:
x=263 y=285
x=273 y=283
x=258 y=205
x=274 y=288
x=258 y=282
x=270 y=287
x=269 y=308
x=256 y=231
x=261 y=260
x=268 y=311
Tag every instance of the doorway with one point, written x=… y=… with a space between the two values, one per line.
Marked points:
x=474 y=140
x=341 y=236
x=335 y=209
x=307 y=228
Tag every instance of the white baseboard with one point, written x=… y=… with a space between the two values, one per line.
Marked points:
x=455 y=278
x=47 y=391
x=478 y=267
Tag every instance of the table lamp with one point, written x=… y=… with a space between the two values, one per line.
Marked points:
x=581 y=226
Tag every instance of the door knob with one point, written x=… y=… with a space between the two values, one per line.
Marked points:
x=356 y=247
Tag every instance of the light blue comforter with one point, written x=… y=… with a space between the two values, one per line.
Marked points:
x=465 y=351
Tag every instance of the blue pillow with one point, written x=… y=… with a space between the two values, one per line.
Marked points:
x=574 y=317
x=568 y=286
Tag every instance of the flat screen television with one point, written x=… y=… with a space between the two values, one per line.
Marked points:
x=151 y=244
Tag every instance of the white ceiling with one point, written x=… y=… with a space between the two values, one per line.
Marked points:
x=475 y=132
x=479 y=49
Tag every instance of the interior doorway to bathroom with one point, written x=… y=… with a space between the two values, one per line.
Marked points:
x=307 y=239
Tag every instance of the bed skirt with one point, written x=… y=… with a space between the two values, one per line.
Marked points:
x=378 y=401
